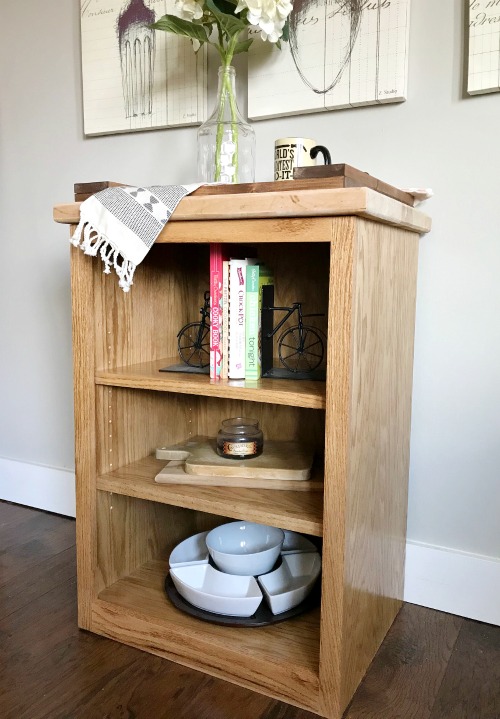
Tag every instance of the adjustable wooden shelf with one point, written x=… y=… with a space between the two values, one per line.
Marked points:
x=349 y=252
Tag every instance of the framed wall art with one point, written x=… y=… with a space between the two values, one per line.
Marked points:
x=341 y=53
x=133 y=77
x=484 y=46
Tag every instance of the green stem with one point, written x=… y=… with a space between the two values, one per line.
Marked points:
x=220 y=132
x=234 y=128
x=226 y=89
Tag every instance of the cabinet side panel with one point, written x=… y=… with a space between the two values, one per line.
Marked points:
x=383 y=316
x=82 y=286
x=338 y=387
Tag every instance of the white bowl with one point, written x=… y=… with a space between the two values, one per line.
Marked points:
x=192 y=550
x=245 y=548
x=206 y=588
x=296 y=543
x=290 y=584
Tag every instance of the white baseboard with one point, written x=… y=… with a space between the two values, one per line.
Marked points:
x=38 y=486
x=452 y=581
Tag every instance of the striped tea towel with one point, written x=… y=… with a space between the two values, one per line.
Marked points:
x=122 y=223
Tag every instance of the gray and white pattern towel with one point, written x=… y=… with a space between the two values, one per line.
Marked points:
x=122 y=223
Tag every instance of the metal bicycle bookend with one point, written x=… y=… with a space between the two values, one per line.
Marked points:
x=300 y=348
x=193 y=340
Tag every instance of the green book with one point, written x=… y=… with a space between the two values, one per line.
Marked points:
x=257 y=276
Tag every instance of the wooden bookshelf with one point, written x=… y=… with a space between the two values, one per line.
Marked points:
x=350 y=253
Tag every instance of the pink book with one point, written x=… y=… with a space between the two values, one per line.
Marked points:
x=216 y=259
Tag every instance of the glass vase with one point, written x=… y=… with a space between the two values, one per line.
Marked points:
x=226 y=142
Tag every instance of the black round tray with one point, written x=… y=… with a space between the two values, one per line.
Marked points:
x=261 y=618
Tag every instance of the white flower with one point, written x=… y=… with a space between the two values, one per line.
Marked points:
x=269 y=15
x=189 y=9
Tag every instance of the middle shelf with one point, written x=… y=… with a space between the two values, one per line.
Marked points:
x=295 y=510
x=146 y=375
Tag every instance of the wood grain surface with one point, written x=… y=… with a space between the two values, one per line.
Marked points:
x=295 y=510
x=348 y=176
x=280 y=659
x=304 y=178
x=82 y=287
x=360 y=274
x=360 y=201
x=370 y=359
x=172 y=473
x=405 y=677
x=279 y=460
x=471 y=684
x=430 y=666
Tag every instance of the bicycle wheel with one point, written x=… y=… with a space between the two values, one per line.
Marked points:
x=193 y=351
x=301 y=354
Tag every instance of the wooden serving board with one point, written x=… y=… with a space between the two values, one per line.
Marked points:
x=279 y=461
x=173 y=473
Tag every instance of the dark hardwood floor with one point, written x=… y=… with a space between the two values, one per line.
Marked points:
x=431 y=665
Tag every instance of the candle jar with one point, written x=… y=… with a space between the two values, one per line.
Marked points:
x=240 y=438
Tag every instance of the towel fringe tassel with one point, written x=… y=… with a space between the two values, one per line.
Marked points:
x=93 y=243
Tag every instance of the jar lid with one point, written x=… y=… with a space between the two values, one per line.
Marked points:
x=240 y=425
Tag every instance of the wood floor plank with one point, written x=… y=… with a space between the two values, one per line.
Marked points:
x=471 y=685
x=45 y=658
x=31 y=584
x=42 y=536
x=27 y=526
x=69 y=677
x=152 y=687
x=404 y=678
x=28 y=634
x=14 y=513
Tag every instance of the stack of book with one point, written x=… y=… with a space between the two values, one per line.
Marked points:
x=235 y=313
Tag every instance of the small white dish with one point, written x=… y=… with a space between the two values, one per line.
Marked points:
x=296 y=543
x=290 y=584
x=192 y=550
x=206 y=588
x=245 y=548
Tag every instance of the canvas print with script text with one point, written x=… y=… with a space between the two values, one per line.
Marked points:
x=341 y=53
x=133 y=77
x=484 y=46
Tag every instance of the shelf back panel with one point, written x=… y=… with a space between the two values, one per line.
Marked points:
x=168 y=292
x=132 y=423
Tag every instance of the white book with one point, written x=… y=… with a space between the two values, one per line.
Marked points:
x=237 y=301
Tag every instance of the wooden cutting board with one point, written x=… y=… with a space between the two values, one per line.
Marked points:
x=173 y=473
x=279 y=461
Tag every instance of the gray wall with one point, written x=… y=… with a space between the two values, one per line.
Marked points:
x=436 y=139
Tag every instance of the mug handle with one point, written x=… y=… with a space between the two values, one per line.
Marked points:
x=324 y=151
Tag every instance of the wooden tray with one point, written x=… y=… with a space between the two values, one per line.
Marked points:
x=304 y=178
x=346 y=176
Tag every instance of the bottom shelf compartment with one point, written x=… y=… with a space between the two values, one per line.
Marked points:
x=279 y=660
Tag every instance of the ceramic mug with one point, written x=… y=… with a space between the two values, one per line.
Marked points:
x=290 y=152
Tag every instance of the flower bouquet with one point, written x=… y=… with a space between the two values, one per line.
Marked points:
x=226 y=143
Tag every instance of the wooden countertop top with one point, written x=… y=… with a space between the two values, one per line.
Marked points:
x=299 y=203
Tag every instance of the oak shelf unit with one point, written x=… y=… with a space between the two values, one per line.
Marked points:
x=351 y=253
